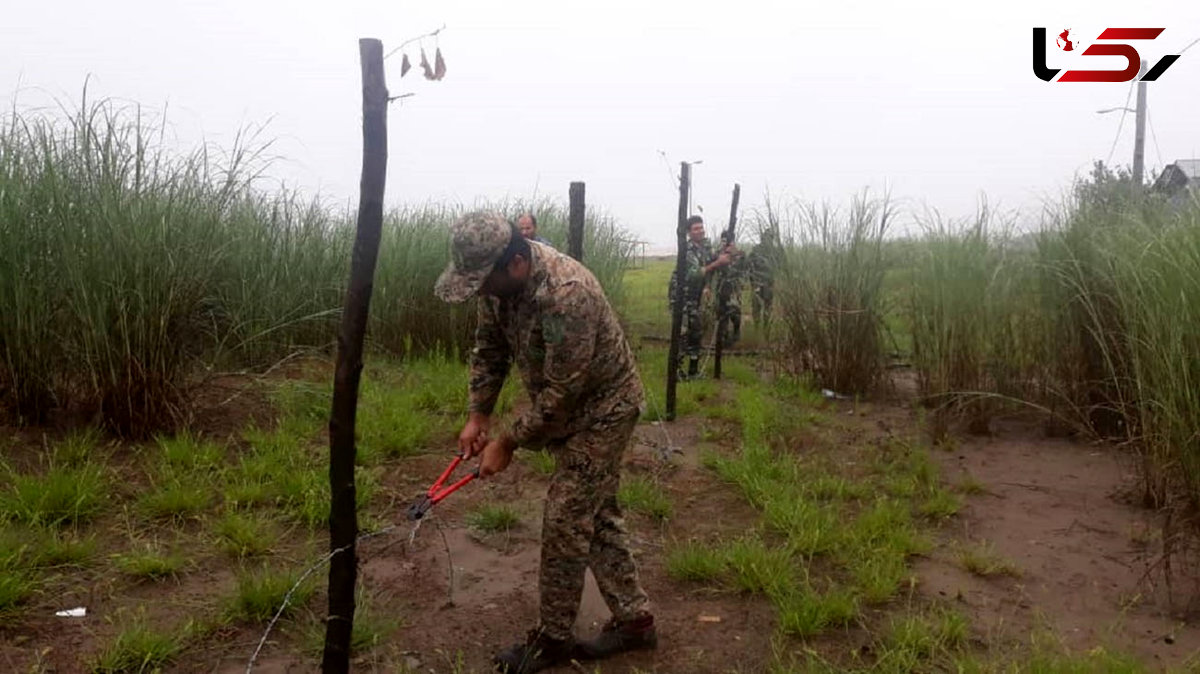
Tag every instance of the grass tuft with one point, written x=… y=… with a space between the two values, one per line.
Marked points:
x=260 y=593
x=643 y=496
x=138 y=648
x=493 y=518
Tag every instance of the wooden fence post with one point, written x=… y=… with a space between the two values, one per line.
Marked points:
x=723 y=298
x=685 y=178
x=575 y=222
x=343 y=519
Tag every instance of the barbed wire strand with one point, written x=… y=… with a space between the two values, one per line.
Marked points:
x=287 y=598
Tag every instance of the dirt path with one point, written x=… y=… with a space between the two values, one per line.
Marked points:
x=1056 y=509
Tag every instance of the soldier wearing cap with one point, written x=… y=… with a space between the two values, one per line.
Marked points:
x=545 y=312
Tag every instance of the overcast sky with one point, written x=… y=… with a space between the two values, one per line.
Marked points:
x=936 y=102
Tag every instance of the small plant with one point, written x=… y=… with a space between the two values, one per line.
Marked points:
x=259 y=594
x=16 y=587
x=176 y=500
x=940 y=504
x=187 y=455
x=695 y=562
x=643 y=496
x=138 y=648
x=804 y=613
x=245 y=535
x=77 y=449
x=150 y=563
x=758 y=568
x=541 y=461
x=982 y=560
x=491 y=518
x=879 y=574
x=59 y=496
x=970 y=486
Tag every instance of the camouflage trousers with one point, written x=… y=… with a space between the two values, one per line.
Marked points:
x=582 y=528
x=693 y=329
x=730 y=322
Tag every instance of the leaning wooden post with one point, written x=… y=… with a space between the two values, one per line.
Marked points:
x=575 y=227
x=685 y=174
x=723 y=297
x=343 y=520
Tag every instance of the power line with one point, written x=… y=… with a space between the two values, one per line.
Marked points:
x=1121 y=124
x=1150 y=121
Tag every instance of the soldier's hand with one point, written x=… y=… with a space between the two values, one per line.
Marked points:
x=473 y=437
x=723 y=259
x=496 y=456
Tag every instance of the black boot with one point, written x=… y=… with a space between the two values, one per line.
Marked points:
x=536 y=653
x=693 y=368
x=618 y=637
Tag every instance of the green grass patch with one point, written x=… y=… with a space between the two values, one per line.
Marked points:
x=57 y=497
x=940 y=504
x=176 y=500
x=542 y=461
x=261 y=592
x=641 y=495
x=186 y=455
x=803 y=612
x=695 y=562
x=246 y=534
x=150 y=563
x=982 y=560
x=16 y=587
x=493 y=518
x=139 y=648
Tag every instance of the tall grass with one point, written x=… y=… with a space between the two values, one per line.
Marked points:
x=829 y=291
x=1095 y=318
x=128 y=268
x=973 y=311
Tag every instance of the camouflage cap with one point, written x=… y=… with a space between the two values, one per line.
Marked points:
x=478 y=240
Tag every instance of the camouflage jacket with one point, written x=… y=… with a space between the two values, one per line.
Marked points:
x=568 y=345
x=759 y=268
x=731 y=277
x=698 y=256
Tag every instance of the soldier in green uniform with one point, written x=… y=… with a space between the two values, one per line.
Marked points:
x=760 y=268
x=545 y=312
x=729 y=292
x=700 y=263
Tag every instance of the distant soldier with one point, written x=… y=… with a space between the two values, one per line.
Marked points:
x=528 y=226
x=729 y=292
x=760 y=270
x=699 y=264
x=547 y=313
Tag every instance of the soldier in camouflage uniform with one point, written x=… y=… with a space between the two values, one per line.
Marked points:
x=547 y=313
x=699 y=264
x=760 y=268
x=729 y=291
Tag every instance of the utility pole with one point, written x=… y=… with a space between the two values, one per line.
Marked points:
x=1139 y=138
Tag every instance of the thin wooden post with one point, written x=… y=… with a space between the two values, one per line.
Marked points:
x=723 y=297
x=685 y=179
x=343 y=520
x=575 y=222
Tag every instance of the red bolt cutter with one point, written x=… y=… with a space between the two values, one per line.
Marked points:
x=437 y=492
